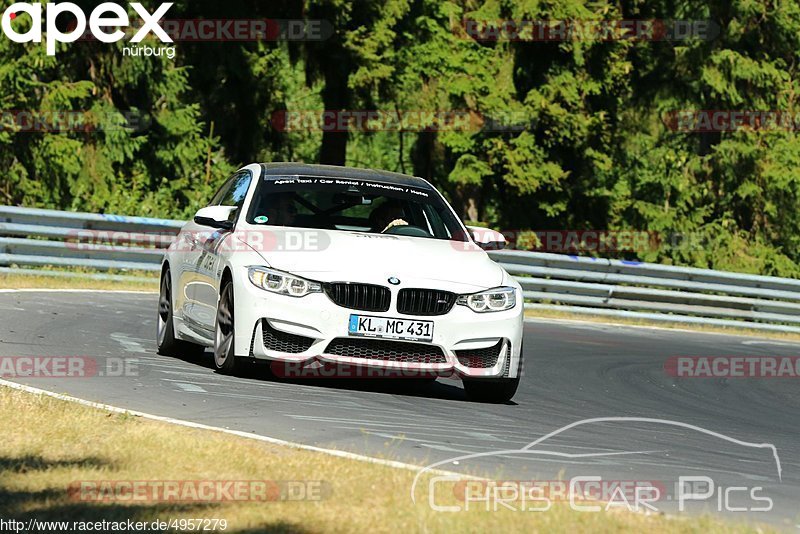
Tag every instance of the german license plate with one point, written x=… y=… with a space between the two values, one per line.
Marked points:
x=387 y=327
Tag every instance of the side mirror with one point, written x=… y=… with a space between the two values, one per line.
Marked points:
x=215 y=217
x=487 y=239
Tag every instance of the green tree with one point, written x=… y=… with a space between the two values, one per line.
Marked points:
x=140 y=147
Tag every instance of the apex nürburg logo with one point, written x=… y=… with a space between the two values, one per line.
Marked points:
x=104 y=23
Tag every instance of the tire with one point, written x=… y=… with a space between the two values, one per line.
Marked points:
x=494 y=390
x=224 y=334
x=419 y=382
x=491 y=391
x=168 y=344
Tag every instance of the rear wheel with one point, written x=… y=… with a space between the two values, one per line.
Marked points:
x=168 y=344
x=494 y=390
x=224 y=335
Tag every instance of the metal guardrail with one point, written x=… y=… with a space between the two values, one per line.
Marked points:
x=38 y=238
x=653 y=292
x=580 y=285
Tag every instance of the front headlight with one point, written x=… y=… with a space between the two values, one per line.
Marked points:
x=282 y=283
x=493 y=300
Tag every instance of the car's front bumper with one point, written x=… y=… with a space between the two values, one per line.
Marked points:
x=459 y=333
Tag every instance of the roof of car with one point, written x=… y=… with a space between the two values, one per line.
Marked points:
x=331 y=171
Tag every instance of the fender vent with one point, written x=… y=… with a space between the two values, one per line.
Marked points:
x=283 y=341
x=482 y=358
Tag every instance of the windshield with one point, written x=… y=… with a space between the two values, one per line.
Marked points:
x=353 y=205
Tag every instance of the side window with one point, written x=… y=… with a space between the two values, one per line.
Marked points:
x=236 y=193
x=223 y=191
x=233 y=192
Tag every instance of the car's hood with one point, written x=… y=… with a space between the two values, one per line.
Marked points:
x=333 y=255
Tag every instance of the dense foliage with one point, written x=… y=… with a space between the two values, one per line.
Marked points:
x=588 y=145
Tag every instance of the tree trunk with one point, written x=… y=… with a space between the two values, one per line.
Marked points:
x=335 y=97
x=334 y=148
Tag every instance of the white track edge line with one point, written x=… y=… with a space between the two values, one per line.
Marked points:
x=257 y=437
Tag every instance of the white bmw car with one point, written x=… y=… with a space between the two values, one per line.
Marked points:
x=310 y=265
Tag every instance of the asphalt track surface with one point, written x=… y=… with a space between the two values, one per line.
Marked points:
x=573 y=371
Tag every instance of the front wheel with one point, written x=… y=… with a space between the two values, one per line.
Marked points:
x=494 y=390
x=491 y=390
x=224 y=334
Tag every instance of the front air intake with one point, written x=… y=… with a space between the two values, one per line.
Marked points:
x=386 y=351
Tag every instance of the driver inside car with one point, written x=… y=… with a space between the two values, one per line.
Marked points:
x=387 y=216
